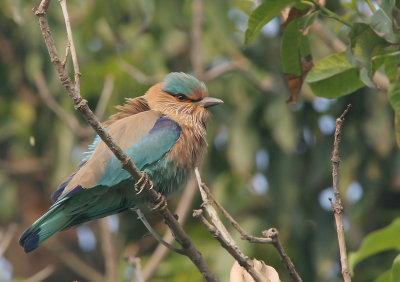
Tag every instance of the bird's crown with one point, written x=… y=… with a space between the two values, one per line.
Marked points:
x=176 y=83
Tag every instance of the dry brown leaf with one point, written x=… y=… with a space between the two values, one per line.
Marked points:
x=295 y=82
x=239 y=274
x=294 y=13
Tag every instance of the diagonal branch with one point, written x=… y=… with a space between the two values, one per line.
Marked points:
x=70 y=120
x=153 y=232
x=270 y=236
x=81 y=105
x=219 y=232
x=181 y=211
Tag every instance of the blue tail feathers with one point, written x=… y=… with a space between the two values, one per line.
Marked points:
x=30 y=240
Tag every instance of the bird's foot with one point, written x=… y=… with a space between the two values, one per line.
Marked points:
x=160 y=203
x=142 y=182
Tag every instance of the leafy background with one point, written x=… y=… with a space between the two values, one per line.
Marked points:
x=268 y=162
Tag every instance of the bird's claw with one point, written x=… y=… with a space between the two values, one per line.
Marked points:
x=161 y=203
x=141 y=183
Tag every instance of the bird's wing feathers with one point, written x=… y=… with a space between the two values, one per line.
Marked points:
x=145 y=137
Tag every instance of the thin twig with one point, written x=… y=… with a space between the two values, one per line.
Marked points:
x=70 y=120
x=105 y=96
x=195 y=52
x=73 y=262
x=63 y=4
x=110 y=258
x=182 y=210
x=66 y=54
x=42 y=274
x=220 y=232
x=153 y=232
x=137 y=74
x=137 y=267
x=235 y=224
x=338 y=206
x=6 y=238
x=270 y=235
x=154 y=197
x=243 y=260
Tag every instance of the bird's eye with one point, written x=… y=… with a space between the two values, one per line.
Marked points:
x=181 y=97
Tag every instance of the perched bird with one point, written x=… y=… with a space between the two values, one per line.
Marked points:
x=162 y=131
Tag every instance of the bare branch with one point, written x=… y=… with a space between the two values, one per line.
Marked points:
x=270 y=235
x=182 y=210
x=105 y=96
x=137 y=266
x=63 y=4
x=42 y=274
x=6 y=238
x=338 y=206
x=73 y=262
x=66 y=54
x=220 y=233
x=110 y=259
x=70 y=120
x=25 y=166
x=195 y=52
x=154 y=197
x=243 y=260
x=153 y=232
x=138 y=75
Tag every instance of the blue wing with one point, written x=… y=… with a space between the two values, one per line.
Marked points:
x=151 y=148
x=107 y=195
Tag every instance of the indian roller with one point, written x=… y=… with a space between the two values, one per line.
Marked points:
x=163 y=132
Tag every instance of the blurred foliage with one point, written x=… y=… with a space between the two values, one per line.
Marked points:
x=268 y=162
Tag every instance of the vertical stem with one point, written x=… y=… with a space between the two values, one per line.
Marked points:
x=338 y=206
x=108 y=250
x=196 y=55
x=63 y=4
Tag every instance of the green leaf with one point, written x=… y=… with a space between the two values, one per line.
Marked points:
x=392 y=275
x=307 y=20
x=364 y=44
x=384 y=277
x=397 y=128
x=262 y=15
x=395 y=274
x=382 y=22
x=394 y=95
x=290 y=49
x=381 y=240
x=333 y=77
x=392 y=62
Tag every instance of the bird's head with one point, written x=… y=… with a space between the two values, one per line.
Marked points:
x=183 y=98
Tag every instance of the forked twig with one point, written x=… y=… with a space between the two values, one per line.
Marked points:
x=270 y=236
x=219 y=231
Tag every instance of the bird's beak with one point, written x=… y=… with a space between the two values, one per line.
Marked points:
x=209 y=102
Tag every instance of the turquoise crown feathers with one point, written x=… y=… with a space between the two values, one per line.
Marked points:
x=181 y=83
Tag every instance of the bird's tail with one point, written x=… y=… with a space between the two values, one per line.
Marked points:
x=45 y=227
